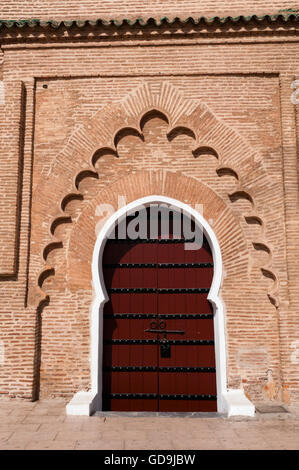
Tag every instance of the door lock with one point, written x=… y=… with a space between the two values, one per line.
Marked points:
x=165 y=350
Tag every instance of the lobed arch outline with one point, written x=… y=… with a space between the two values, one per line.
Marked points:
x=184 y=116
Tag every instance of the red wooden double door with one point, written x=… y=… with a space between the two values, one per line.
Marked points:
x=158 y=326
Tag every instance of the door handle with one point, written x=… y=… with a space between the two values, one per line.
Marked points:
x=179 y=332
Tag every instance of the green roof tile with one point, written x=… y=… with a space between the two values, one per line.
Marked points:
x=282 y=15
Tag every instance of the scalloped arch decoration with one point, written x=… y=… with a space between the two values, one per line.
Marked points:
x=100 y=132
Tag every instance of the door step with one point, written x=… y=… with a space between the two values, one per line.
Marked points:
x=161 y=414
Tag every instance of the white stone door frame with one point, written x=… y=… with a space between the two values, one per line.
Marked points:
x=232 y=402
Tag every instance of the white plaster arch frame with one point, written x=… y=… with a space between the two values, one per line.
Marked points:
x=232 y=402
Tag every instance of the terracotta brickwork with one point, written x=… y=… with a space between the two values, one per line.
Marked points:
x=122 y=9
x=202 y=117
x=11 y=172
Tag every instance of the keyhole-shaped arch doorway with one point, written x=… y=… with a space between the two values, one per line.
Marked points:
x=84 y=403
x=141 y=385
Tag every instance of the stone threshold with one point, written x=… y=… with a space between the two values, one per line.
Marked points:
x=159 y=414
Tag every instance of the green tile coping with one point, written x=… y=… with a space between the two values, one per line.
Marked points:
x=285 y=15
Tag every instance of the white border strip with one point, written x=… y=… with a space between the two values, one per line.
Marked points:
x=88 y=402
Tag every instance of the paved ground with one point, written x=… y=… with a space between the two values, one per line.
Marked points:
x=44 y=425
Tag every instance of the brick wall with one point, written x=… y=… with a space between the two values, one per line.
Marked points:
x=116 y=9
x=77 y=96
x=12 y=131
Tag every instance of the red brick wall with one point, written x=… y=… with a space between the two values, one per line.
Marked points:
x=245 y=82
x=115 y=9
x=12 y=107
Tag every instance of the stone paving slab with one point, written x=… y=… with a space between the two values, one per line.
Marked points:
x=44 y=425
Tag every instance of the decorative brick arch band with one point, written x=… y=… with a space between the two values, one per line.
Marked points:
x=137 y=186
x=103 y=132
